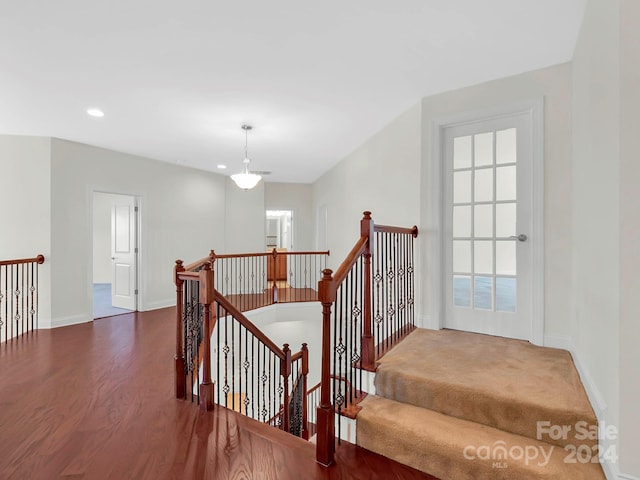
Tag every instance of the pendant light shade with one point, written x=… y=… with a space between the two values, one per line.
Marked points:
x=245 y=179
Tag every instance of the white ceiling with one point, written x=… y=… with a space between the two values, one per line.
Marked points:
x=176 y=80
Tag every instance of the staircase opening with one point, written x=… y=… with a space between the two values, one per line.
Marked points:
x=452 y=404
x=224 y=358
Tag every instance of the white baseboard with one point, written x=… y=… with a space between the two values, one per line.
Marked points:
x=67 y=321
x=611 y=469
x=429 y=322
x=557 y=341
x=595 y=397
x=624 y=476
x=158 y=305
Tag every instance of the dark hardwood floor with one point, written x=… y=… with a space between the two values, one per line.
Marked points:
x=95 y=401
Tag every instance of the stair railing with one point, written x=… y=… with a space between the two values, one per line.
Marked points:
x=254 y=280
x=18 y=297
x=367 y=308
x=223 y=358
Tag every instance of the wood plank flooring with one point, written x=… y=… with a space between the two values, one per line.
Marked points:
x=95 y=401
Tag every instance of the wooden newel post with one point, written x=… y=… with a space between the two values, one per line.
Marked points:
x=206 y=300
x=285 y=371
x=325 y=413
x=180 y=378
x=305 y=373
x=368 y=346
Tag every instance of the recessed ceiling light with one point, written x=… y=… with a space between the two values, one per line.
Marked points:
x=221 y=166
x=95 y=112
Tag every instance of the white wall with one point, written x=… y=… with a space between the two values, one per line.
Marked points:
x=606 y=220
x=382 y=175
x=606 y=217
x=25 y=199
x=244 y=227
x=596 y=205
x=298 y=198
x=293 y=323
x=102 y=266
x=182 y=214
x=629 y=237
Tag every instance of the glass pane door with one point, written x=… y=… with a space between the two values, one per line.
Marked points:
x=487 y=267
x=484 y=213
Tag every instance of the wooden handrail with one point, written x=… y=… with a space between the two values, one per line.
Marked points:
x=344 y=268
x=39 y=260
x=188 y=275
x=271 y=252
x=388 y=229
x=213 y=256
x=296 y=356
x=246 y=323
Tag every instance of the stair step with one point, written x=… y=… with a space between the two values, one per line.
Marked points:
x=503 y=383
x=452 y=448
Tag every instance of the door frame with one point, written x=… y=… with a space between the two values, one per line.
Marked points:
x=138 y=244
x=534 y=109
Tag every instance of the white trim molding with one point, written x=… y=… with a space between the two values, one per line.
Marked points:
x=625 y=476
x=557 y=341
x=69 y=320
x=158 y=305
x=534 y=111
x=600 y=408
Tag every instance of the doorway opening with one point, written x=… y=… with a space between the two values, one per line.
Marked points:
x=491 y=199
x=115 y=254
x=279 y=230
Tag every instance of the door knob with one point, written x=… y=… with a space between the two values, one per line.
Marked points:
x=521 y=238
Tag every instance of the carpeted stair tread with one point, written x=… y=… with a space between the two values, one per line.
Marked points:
x=435 y=443
x=503 y=383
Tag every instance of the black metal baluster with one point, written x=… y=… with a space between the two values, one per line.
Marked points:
x=217 y=386
x=30 y=308
x=341 y=351
x=359 y=388
x=255 y=378
x=2 y=267
x=264 y=385
x=353 y=303
x=271 y=392
x=225 y=350
x=258 y=378
x=395 y=287
x=334 y=392
x=245 y=400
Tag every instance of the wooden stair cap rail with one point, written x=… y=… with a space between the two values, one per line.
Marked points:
x=38 y=259
x=246 y=323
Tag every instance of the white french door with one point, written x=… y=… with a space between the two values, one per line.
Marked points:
x=488 y=225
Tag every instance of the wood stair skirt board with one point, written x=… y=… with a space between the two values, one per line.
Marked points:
x=459 y=405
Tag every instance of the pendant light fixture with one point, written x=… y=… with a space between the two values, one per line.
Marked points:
x=245 y=179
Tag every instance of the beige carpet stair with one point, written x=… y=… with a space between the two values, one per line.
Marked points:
x=435 y=443
x=439 y=392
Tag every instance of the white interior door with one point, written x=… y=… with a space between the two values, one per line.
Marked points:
x=488 y=223
x=123 y=253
